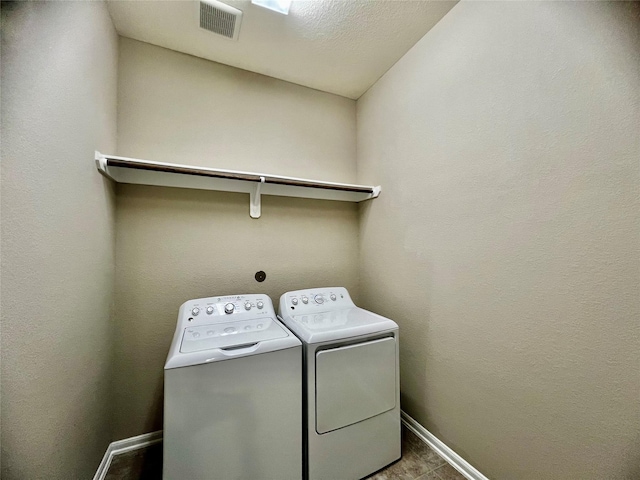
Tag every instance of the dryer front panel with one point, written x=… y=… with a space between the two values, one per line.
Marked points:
x=355 y=382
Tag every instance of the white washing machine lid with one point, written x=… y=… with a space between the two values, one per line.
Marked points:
x=223 y=341
x=337 y=324
x=230 y=334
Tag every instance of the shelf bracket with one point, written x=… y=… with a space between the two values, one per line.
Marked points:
x=254 y=200
x=101 y=164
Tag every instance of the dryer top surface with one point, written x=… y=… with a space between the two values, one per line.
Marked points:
x=338 y=324
x=330 y=320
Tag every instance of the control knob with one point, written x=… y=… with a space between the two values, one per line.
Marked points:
x=305 y=300
x=333 y=297
x=294 y=301
x=318 y=299
x=229 y=308
x=209 y=310
x=260 y=304
x=247 y=306
x=195 y=311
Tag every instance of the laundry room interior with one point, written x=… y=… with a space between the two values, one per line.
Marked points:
x=468 y=170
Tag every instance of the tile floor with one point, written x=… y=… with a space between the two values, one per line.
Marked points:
x=418 y=462
x=142 y=464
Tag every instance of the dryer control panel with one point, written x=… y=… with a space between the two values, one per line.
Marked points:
x=317 y=300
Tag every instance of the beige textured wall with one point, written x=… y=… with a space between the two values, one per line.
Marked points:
x=59 y=63
x=174 y=244
x=506 y=240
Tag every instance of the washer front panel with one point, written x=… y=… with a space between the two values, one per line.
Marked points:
x=238 y=419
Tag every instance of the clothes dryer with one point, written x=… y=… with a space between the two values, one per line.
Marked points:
x=351 y=393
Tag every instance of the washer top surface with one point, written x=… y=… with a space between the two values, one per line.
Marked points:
x=230 y=335
x=327 y=314
x=220 y=328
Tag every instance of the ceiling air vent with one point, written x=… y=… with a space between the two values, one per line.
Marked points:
x=220 y=18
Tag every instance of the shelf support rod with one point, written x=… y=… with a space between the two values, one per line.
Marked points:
x=254 y=199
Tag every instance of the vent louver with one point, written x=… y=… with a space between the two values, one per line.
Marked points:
x=220 y=18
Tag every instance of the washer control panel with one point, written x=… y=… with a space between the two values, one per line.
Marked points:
x=317 y=299
x=232 y=308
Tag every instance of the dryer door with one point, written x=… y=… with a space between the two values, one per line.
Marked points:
x=354 y=383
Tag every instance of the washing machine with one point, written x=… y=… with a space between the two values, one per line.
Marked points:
x=351 y=384
x=232 y=393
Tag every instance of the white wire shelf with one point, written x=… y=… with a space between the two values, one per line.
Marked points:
x=145 y=172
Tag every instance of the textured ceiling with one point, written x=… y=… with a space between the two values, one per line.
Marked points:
x=338 y=46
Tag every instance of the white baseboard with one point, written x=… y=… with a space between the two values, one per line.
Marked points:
x=123 y=446
x=148 y=439
x=456 y=461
